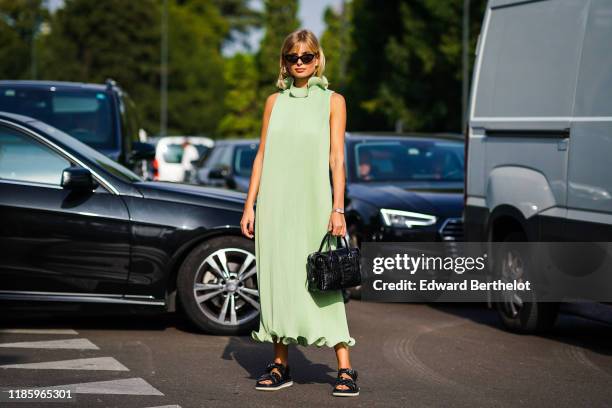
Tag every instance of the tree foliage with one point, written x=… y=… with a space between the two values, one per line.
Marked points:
x=20 y=22
x=414 y=72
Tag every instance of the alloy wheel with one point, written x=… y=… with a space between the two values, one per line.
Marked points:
x=225 y=287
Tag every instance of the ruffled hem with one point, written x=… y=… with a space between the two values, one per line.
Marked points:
x=265 y=336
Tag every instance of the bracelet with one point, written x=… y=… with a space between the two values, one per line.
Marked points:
x=339 y=210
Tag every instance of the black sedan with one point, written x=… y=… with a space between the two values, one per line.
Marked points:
x=79 y=227
x=404 y=187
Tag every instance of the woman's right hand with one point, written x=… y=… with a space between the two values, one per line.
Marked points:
x=247 y=222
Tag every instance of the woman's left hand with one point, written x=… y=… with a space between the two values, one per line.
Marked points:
x=337 y=224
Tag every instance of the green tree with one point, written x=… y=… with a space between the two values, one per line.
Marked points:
x=420 y=62
x=20 y=22
x=280 y=19
x=196 y=84
x=373 y=23
x=336 y=42
x=241 y=117
x=91 y=41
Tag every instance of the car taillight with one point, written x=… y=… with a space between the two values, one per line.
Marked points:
x=155 y=169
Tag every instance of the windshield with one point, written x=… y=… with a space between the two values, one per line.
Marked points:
x=173 y=153
x=245 y=156
x=84 y=114
x=410 y=160
x=91 y=154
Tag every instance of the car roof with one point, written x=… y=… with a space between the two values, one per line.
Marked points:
x=58 y=84
x=377 y=135
x=16 y=117
x=219 y=142
x=180 y=139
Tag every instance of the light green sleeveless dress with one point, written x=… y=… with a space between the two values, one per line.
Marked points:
x=292 y=211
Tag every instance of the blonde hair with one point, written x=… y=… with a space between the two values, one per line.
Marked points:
x=300 y=36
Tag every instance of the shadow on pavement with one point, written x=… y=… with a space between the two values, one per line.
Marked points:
x=585 y=325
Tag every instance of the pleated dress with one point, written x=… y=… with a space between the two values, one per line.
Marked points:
x=292 y=210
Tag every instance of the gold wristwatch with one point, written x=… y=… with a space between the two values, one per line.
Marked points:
x=339 y=210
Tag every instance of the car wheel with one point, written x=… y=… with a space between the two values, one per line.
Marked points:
x=520 y=312
x=217 y=286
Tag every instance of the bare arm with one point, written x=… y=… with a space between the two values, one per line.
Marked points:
x=248 y=216
x=337 y=124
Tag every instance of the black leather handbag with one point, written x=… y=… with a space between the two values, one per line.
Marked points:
x=333 y=270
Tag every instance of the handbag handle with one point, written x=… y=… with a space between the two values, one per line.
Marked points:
x=328 y=235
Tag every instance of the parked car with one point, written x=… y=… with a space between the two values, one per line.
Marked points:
x=228 y=164
x=102 y=116
x=406 y=187
x=79 y=227
x=169 y=164
x=540 y=136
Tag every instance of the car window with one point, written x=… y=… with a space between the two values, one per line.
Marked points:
x=215 y=155
x=173 y=153
x=89 y=153
x=84 y=114
x=225 y=161
x=23 y=158
x=243 y=162
x=130 y=118
x=202 y=150
x=421 y=160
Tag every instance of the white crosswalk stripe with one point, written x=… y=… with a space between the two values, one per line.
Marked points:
x=96 y=363
x=80 y=344
x=127 y=386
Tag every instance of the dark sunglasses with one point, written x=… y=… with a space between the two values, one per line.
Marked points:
x=293 y=58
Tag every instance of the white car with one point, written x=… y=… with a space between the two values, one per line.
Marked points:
x=171 y=163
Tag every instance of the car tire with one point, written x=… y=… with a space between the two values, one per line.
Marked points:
x=207 y=291
x=521 y=315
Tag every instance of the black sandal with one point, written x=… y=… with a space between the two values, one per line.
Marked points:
x=279 y=381
x=353 y=388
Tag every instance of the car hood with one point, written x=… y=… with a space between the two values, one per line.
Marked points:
x=446 y=201
x=192 y=194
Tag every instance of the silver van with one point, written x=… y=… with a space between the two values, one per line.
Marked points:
x=539 y=144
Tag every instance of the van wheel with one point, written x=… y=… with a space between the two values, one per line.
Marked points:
x=520 y=312
x=217 y=286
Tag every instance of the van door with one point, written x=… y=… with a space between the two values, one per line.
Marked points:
x=590 y=151
x=520 y=120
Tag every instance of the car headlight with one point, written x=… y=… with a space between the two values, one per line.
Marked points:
x=406 y=219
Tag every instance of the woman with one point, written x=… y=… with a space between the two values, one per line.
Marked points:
x=302 y=138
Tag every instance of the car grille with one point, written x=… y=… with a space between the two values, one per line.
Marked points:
x=452 y=230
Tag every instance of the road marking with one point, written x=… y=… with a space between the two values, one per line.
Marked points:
x=167 y=406
x=128 y=386
x=83 y=344
x=96 y=363
x=39 y=331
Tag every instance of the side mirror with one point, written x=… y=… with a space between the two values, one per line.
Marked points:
x=78 y=178
x=142 y=151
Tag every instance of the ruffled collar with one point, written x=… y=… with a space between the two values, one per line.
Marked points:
x=303 y=91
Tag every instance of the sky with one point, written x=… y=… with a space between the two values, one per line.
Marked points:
x=310 y=14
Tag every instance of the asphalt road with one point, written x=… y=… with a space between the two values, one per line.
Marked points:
x=413 y=355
